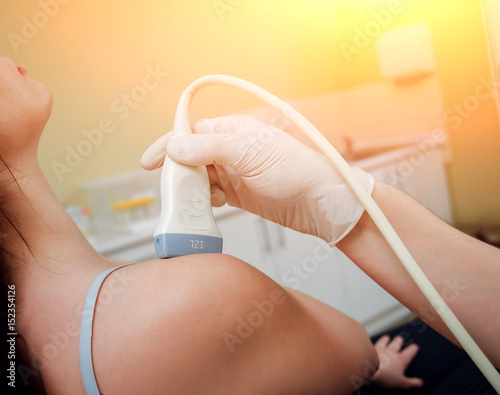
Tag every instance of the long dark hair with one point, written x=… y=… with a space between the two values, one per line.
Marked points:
x=8 y=307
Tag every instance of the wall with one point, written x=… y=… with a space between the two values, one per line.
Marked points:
x=96 y=57
x=92 y=53
x=464 y=73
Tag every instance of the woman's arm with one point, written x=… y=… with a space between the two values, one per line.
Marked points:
x=465 y=271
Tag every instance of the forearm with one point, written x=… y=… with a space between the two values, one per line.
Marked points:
x=463 y=270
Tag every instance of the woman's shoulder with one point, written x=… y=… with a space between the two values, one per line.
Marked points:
x=214 y=324
x=193 y=282
x=159 y=322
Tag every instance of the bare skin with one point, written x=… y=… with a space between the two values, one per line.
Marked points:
x=393 y=361
x=464 y=270
x=160 y=326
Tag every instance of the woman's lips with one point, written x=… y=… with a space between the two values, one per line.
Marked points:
x=22 y=71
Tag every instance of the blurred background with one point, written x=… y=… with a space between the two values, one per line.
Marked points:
x=361 y=70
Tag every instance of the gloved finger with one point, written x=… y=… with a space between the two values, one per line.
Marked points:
x=217 y=196
x=205 y=149
x=202 y=126
x=213 y=176
x=154 y=156
x=228 y=124
x=229 y=181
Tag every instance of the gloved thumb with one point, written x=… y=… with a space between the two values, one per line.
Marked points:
x=205 y=149
x=154 y=156
x=219 y=140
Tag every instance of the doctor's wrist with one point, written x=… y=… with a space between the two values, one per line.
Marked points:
x=343 y=209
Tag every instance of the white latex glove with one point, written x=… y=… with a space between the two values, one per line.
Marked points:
x=267 y=172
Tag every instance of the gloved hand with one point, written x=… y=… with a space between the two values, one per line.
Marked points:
x=267 y=172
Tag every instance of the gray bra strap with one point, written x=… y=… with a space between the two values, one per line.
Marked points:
x=86 y=365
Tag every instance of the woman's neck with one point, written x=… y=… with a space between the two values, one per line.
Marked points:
x=47 y=242
x=49 y=261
